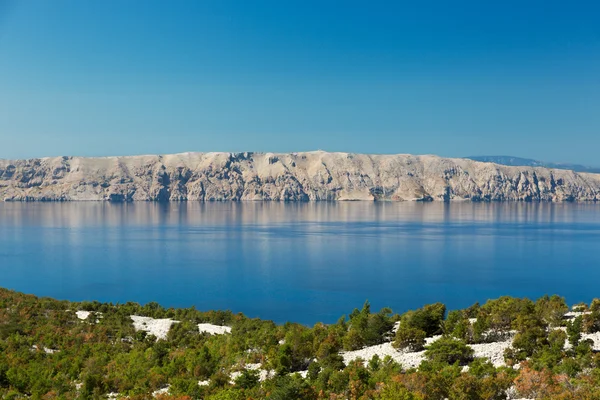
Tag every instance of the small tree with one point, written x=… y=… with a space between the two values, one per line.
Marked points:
x=429 y=319
x=536 y=384
x=396 y=391
x=449 y=350
x=248 y=379
x=574 y=331
x=551 y=309
x=408 y=338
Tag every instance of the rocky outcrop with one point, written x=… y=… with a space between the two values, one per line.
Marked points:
x=287 y=177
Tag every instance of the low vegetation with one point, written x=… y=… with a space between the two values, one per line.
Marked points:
x=47 y=351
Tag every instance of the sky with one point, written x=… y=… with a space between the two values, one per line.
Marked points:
x=453 y=78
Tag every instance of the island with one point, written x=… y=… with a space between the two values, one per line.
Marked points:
x=308 y=176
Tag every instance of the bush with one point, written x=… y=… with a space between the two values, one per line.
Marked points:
x=574 y=331
x=367 y=329
x=551 y=309
x=449 y=350
x=396 y=391
x=502 y=312
x=408 y=338
x=591 y=321
x=429 y=319
x=527 y=342
x=453 y=319
x=248 y=379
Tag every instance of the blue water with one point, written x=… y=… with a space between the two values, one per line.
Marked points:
x=303 y=262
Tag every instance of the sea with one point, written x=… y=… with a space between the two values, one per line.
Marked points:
x=301 y=262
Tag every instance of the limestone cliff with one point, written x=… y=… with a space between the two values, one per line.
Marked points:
x=292 y=177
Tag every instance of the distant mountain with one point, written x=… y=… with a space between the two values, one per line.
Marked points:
x=315 y=175
x=527 y=162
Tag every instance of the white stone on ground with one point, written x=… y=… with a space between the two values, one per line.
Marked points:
x=157 y=327
x=214 y=329
x=406 y=359
x=82 y=314
x=594 y=336
x=575 y=314
x=45 y=349
x=164 y=390
x=494 y=351
x=203 y=383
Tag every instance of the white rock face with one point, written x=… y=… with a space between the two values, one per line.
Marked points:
x=293 y=177
x=214 y=329
x=157 y=327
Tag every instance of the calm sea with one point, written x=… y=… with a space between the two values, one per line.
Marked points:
x=303 y=262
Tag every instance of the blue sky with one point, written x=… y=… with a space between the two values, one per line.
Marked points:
x=453 y=78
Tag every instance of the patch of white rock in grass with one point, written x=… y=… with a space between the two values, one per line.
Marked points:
x=82 y=314
x=406 y=359
x=158 y=392
x=493 y=351
x=160 y=327
x=575 y=314
x=157 y=327
x=44 y=349
x=411 y=359
x=263 y=374
x=214 y=329
x=303 y=374
x=595 y=337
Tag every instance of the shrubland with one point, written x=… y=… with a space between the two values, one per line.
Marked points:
x=48 y=352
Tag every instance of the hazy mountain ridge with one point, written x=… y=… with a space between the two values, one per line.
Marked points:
x=528 y=162
x=287 y=177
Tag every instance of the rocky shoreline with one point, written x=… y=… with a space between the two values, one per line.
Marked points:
x=309 y=176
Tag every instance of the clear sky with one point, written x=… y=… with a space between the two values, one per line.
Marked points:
x=454 y=78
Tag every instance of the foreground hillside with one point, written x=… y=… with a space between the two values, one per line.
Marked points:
x=505 y=349
x=290 y=177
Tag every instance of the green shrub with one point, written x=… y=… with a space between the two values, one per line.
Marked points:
x=429 y=318
x=449 y=350
x=574 y=331
x=551 y=309
x=408 y=338
x=396 y=391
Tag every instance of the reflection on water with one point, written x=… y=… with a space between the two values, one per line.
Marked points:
x=300 y=261
x=84 y=214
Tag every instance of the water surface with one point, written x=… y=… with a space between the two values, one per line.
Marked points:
x=304 y=262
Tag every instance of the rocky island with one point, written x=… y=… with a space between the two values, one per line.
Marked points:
x=308 y=176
